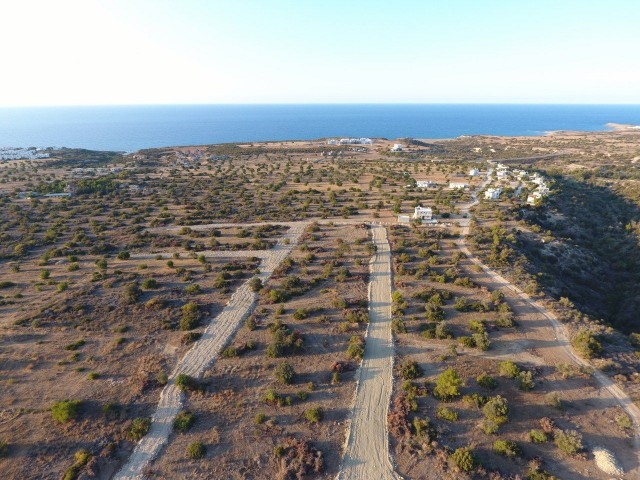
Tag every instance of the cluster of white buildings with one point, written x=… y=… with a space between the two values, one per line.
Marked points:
x=22 y=154
x=397 y=147
x=504 y=174
x=426 y=184
x=350 y=141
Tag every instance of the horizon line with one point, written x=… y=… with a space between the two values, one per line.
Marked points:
x=257 y=104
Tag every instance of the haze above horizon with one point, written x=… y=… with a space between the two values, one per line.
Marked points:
x=137 y=52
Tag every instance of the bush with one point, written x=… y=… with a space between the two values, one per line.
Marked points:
x=537 y=436
x=260 y=418
x=587 y=344
x=139 y=428
x=285 y=373
x=314 y=415
x=186 y=383
x=568 y=442
x=481 y=340
x=4 y=449
x=424 y=429
x=553 y=400
x=81 y=457
x=190 y=316
x=124 y=255
x=496 y=409
x=65 y=410
x=131 y=293
x=447 y=385
x=506 y=448
x=525 y=381
x=409 y=369
x=255 y=284
x=192 y=289
x=196 y=450
x=488 y=427
x=486 y=381
x=624 y=421
x=398 y=326
x=184 y=421
x=508 y=369
x=464 y=459
x=355 y=349
x=448 y=414
x=150 y=283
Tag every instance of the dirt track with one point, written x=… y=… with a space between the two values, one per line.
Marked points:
x=549 y=341
x=200 y=357
x=366 y=454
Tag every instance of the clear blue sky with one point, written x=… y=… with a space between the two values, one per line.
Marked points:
x=71 y=52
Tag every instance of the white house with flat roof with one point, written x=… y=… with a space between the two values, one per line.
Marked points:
x=492 y=193
x=458 y=185
x=397 y=147
x=425 y=184
x=423 y=213
x=474 y=172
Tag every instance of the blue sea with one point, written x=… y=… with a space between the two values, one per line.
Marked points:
x=130 y=128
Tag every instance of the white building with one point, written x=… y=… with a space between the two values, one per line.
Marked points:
x=425 y=184
x=332 y=141
x=492 y=193
x=397 y=147
x=355 y=141
x=474 y=172
x=458 y=185
x=423 y=213
x=57 y=195
x=404 y=219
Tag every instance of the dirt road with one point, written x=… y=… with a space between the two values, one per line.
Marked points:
x=366 y=454
x=549 y=341
x=199 y=358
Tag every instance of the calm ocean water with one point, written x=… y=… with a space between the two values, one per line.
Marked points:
x=129 y=128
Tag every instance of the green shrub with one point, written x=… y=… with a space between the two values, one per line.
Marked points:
x=302 y=395
x=553 y=400
x=448 y=414
x=275 y=350
x=260 y=418
x=7 y=284
x=251 y=324
x=300 y=314
x=624 y=421
x=66 y=410
x=75 y=345
x=124 y=255
x=537 y=436
x=229 y=352
x=447 y=385
x=355 y=349
x=506 y=448
x=464 y=459
x=150 y=283
x=184 y=421
x=139 y=428
x=486 y=381
x=481 y=340
x=131 y=293
x=192 y=289
x=285 y=373
x=314 y=415
x=508 y=369
x=278 y=451
x=190 y=316
x=4 y=449
x=93 y=375
x=525 y=381
x=424 y=429
x=587 y=344
x=496 y=409
x=398 y=326
x=568 y=442
x=489 y=427
x=186 y=383
x=196 y=450
x=255 y=284
x=81 y=457
x=409 y=369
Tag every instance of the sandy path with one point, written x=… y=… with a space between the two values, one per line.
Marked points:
x=200 y=356
x=366 y=454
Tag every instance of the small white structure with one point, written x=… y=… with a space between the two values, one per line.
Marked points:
x=397 y=147
x=423 y=213
x=531 y=200
x=355 y=141
x=404 y=219
x=425 y=184
x=474 y=172
x=57 y=195
x=332 y=141
x=492 y=193
x=458 y=185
